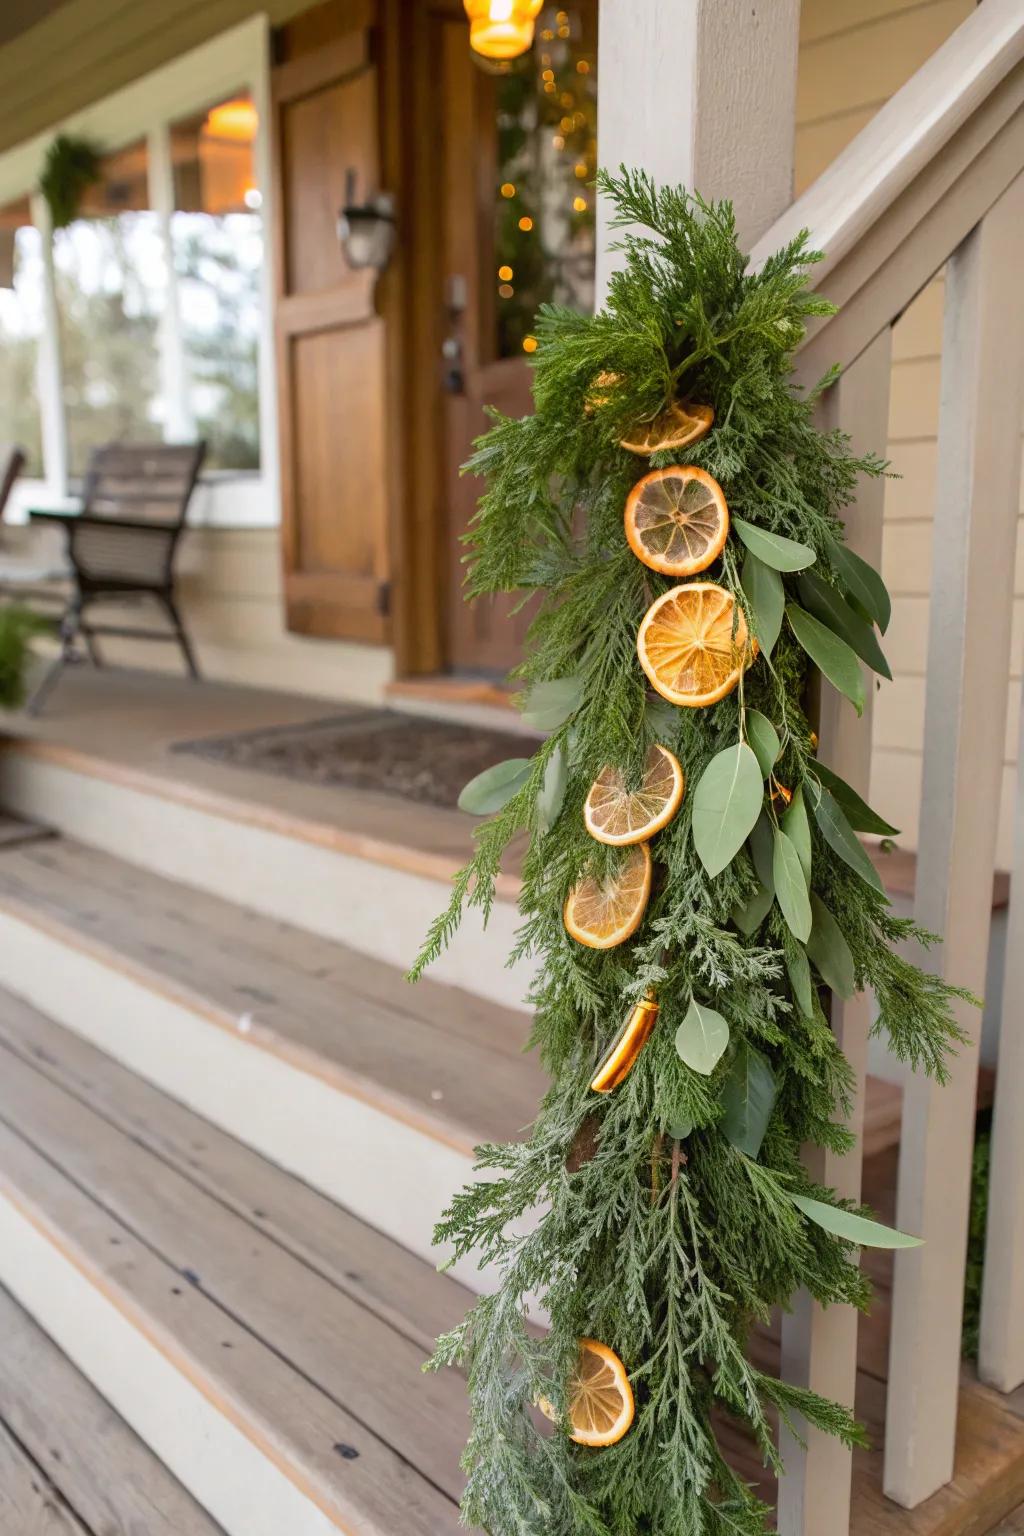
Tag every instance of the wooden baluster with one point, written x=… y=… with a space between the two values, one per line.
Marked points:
x=819 y=1347
x=965 y=716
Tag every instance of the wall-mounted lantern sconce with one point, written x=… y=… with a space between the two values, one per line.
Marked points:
x=366 y=231
x=502 y=29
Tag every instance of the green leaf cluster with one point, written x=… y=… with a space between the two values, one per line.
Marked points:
x=690 y=1213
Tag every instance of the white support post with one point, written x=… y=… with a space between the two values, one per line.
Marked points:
x=965 y=718
x=1001 y=1346
x=53 y=424
x=179 y=424
x=819 y=1347
x=700 y=93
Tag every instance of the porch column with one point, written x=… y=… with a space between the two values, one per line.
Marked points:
x=703 y=93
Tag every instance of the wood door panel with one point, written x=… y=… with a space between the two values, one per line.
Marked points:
x=322 y=136
x=330 y=339
x=342 y=512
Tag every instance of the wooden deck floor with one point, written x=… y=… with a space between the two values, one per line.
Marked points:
x=69 y=1465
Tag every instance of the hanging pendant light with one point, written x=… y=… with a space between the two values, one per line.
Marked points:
x=501 y=29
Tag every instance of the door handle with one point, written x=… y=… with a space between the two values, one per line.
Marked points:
x=454 y=379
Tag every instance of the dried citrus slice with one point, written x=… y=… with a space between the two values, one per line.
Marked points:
x=693 y=644
x=677 y=426
x=621 y=1055
x=603 y=913
x=617 y=815
x=599 y=1395
x=677 y=521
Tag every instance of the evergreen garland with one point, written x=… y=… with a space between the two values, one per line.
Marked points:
x=669 y=1216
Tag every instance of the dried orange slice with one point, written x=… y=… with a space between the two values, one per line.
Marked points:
x=617 y=815
x=677 y=521
x=677 y=426
x=603 y=913
x=621 y=1055
x=693 y=644
x=600 y=1397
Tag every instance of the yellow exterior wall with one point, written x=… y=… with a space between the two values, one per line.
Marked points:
x=853 y=55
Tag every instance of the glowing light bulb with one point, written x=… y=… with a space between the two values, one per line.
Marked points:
x=501 y=29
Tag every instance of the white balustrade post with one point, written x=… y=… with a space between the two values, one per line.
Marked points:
x=819 y=1346
x=700 y=93
x=965 y=718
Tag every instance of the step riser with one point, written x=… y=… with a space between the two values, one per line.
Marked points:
x=229 y=1474
x=379 y=910
x=396 y=1176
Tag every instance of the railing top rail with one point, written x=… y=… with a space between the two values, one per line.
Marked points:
x=903 y=137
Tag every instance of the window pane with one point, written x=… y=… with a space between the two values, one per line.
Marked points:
x=21 y=324
x=546 y=134
x=111 y=282
x=217 y=239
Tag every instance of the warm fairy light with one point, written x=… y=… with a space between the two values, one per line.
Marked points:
x=547 y=74
x=581 y=169
x=508 y=189
x=529 y=343
x=506 y=274
x=525 y=224
x=501 y=29
x=582 y=67
x=557 y=142
x=550 y=87
x=506 y=290
x=579 y=204
x=566 y=125
x=567 y=99
x=252 y=197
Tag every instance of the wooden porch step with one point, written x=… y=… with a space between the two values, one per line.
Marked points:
x=70 y=1465
x=265 y=1343
x=321 y=1058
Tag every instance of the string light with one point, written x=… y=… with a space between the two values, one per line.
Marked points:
x=506 y=274
x=529 y=343
x=525 y=224
x=579 y=204
x=581 y=169
x=506 y=290
x=508 y=189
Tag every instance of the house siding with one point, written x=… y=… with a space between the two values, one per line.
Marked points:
x=853 y=55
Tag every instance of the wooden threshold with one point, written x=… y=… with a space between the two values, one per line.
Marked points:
x=156 y=1226
x=448 y=688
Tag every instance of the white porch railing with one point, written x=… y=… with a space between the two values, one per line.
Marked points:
x=936 y=179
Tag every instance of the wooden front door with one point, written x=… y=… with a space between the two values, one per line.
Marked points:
x=517 y=228
x=330 y=339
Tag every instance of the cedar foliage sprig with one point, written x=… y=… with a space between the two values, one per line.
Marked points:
x=670 y=1259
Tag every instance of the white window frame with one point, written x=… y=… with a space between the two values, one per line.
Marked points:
x=237 y=60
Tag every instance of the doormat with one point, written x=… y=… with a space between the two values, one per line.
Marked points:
x=420 y=759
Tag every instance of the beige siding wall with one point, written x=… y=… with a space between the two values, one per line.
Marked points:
x=853 y=55
x=230 y=588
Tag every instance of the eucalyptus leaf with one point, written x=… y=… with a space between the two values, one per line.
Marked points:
x=842 y=839
x=862 y=582
x=663 y=719
x=549 y=705
x=752 y=914
x=772 y=549
x=828 y=605
x=726 y=804
x=763 y=739
x=830 y=951
x=857 y=811
x=854 y=1228
x=762 y=850
x=552 y=790
x=798 y=829
x=493 y=788
x=831 y=655
x=767 y=598
x=701 y=1038
x=799 y=971
x=791 y=888
x=748 y=1097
